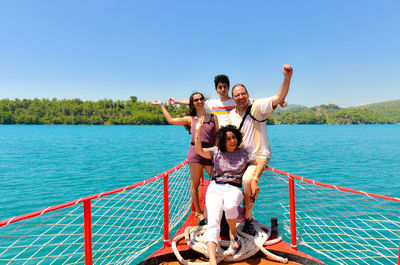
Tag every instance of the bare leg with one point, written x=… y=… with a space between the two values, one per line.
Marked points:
x=248 y=200
x=232 y=228
x=212 y=252
x=248 y=176
x=195 y=176
x=209 y=170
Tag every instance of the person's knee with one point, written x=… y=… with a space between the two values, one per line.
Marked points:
x=247 y=200
x=246 y=187
x=212 y=233
x=248 y=178
x=194 y=186
x=231 y=211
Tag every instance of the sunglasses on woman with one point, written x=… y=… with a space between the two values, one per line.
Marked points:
x=198 y=99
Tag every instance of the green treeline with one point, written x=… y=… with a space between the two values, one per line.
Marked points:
x=134 y=112
x=76 y=111
x=380 y=113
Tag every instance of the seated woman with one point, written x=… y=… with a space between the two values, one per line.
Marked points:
x=196 y=162
x=224 y=193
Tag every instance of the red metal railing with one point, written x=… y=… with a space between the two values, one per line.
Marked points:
x=87 y=215
x=166 y=210
x=87 y=224
x=292 y=204
x=87 y=203
x=398 y=257
x=291 y=179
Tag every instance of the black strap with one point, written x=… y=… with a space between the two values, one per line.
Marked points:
x=228 y=182
x=248 y=112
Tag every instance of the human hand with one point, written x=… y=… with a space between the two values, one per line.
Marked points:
x=283 y=104
x=255 y=190
x=171 y=101
x=287 y=70
x=155 y=103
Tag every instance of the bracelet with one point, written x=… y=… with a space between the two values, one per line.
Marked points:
x=197 y=137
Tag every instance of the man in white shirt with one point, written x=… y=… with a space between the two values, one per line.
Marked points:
x=250 y=119
x=220 y=107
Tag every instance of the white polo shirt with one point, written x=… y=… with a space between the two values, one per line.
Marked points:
x=255 y=137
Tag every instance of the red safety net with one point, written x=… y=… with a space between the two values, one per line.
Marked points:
x=336 y=225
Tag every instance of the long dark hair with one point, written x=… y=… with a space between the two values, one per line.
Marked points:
x=192 y=110
x=221 y=136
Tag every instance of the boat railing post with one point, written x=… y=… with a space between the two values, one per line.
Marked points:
x=398 y=256
x=166 y=211
x=292 y=213
x=87 y=226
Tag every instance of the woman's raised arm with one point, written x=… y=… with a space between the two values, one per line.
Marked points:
x=174 y=121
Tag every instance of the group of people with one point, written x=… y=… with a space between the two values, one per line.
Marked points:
x=230 y=142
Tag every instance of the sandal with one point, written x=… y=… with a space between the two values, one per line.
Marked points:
x=235 y=241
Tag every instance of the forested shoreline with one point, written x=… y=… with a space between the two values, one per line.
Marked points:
x=77 y=111
x=134 y=112
x=379 y=113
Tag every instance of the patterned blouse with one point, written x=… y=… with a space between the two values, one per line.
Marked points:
x=229 y=167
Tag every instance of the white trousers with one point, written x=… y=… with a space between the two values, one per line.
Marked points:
x=221 y=197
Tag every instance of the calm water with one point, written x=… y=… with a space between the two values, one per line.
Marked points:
x=47 y=165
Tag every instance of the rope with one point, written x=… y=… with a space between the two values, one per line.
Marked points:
x=194 y=236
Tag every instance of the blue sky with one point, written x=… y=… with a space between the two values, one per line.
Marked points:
x=343 y=52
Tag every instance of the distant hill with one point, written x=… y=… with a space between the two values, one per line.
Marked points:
x=387 y=112
x=292 y=106
x=382 y=105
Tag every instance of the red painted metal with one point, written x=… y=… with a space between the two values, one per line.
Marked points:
x=292 y=214
x=87 y=206
x=333 y=186
x=71 y=203
x=166 y=211
x=398 y=256
x=87 y=225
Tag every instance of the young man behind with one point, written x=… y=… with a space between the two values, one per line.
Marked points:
x=220 y=107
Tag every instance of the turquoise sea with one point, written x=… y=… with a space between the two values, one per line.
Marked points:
x=44 y=165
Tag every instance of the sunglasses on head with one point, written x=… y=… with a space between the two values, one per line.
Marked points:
x=198 y=99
